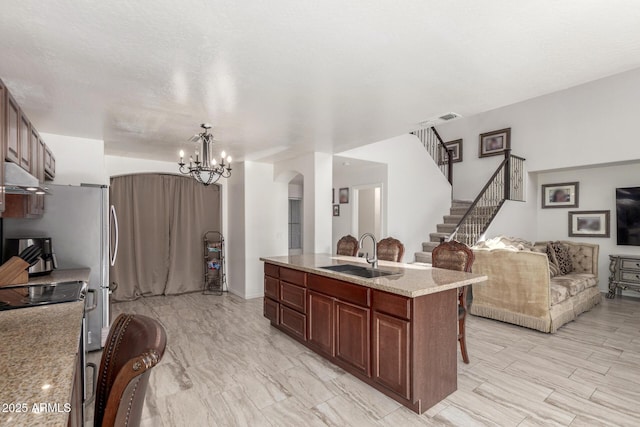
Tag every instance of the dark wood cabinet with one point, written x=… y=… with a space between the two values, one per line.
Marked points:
x=24 y=138
x=35 y=202
x=320 y=317
x=271 y=310
x=352 y=336
x=293 y=322
x=49 y=164
x=391 y=353
x=293 y=296
x=12 y=123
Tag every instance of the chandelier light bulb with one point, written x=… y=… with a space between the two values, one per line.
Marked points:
x=181 y=154
x=213 y=161
x=229 y=159
x=223 y=155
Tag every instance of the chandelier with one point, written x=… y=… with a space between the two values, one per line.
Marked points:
x=205 y=169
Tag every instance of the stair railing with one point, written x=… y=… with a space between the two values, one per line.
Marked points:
x=436 y=147
x=506 y=183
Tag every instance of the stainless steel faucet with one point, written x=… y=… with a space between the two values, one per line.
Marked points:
x=373 y=261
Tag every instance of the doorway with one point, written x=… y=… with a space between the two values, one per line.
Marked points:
x=296 y=186
x=367 y=213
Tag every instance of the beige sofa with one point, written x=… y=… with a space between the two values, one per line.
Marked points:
x=520 y=290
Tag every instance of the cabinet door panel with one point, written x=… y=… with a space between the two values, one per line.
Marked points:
x=391 y=353
x=293 y=296
x=12 y=115
x=271 y=288
x=320 y=313
x=271 y=310
x=352 y=335
x=293 y=322
x=24 y=135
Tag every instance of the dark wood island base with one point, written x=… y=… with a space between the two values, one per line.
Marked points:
x=405 y=347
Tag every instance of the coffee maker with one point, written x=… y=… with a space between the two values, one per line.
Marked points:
x=47 y=260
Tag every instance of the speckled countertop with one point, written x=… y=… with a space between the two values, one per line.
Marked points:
x=38 y=350
x=57 y=276
x=411 y=280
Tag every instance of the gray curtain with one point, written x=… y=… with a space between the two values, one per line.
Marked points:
x=162 y=219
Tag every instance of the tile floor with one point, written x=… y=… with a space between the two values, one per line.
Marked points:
x=226 y=366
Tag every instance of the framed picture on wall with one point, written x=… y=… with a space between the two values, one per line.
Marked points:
x=495 y=142
x=336 y=210
x=456 y=152
x=333 y=195
x=589 y=223
x=564 y=195
x=344 y=195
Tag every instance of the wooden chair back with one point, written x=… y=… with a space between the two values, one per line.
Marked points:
x=347 y=245
x=135 y=344
x=390 y=249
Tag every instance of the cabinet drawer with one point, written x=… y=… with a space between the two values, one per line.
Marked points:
x=293 y=322
x=293 y=296
x=293 y=276
x=271 y=270
x=271 y=288
x=342 y=290
x=271 y=310
x=630 y=276
x=393 y=304
x=630 y=264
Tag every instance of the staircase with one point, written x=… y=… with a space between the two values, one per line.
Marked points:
x=467 y=221
x=457 y=211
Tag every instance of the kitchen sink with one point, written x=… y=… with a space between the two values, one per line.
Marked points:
x=358 y=270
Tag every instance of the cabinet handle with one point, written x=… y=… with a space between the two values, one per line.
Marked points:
x=638 y=264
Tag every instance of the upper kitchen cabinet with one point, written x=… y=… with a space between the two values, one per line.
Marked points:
x=24 y=134
x=35 y=202
x=12 y=124
x=49 y=164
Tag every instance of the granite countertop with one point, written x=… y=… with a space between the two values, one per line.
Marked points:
x=411 y=280
x=38 y=350
x=64 y=275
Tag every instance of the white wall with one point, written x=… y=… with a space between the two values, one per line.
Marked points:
x=417 y=194
x=118 y=165
x=352 y=177
x=257 y=225
x=316 y=168
x=597 y=192
x=78 y=160
x=591 y=124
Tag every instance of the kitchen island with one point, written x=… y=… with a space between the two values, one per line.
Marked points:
x=397 y=333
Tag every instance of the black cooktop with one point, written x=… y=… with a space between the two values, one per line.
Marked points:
x=22 y=296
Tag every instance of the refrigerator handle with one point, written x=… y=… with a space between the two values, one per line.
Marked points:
x=114 y=254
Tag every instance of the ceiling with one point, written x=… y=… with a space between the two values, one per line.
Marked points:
x=279 y=78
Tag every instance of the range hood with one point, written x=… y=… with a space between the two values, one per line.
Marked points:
x=19 y=181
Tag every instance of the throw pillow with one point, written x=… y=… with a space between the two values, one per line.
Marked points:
x=551 y=254
x=562 y=257
x=553 y=270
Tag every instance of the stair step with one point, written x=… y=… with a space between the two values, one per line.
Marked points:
x=423 y=257
x=446 y=228
x=458 y=211
x=429 y=246
x=435 y=237
x=461 y=202
x=452 y=219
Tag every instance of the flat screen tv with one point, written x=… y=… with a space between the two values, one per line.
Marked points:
x=628 y=215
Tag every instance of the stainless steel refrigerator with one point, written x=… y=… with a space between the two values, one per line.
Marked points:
x=77 y=220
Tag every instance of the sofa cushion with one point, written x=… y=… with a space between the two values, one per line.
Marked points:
x=575 y=282
x=559 y=293
x=563 y=259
